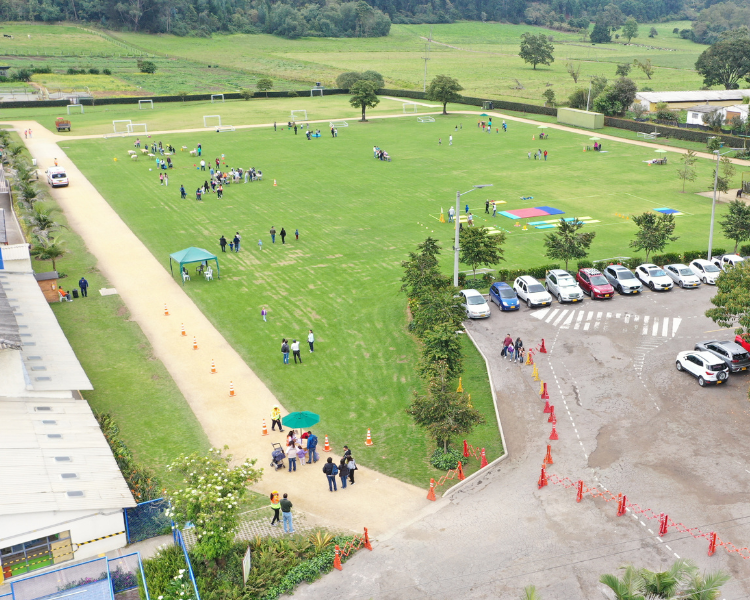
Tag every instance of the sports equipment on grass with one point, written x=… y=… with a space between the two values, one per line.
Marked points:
x=338 y=124
x=215 y=97
x=668 y=211
x=426 y=119
x=313 y=90
x=146 y=103
x=131 y=127
x=126 y=121
x=74 y=106
x=206 y=124
x=410 y=107
x=224 y=128
x=299 y=115
x=525 y=213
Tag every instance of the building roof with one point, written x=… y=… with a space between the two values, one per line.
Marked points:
x=50 y=362
x=35 y=434
x=699 y=96
x=703 y=108
x=46 y=276
x=10 y=336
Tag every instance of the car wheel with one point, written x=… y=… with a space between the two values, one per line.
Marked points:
x=701 y=382
x=678 y=364
x=619 y=289
x=682 y=285
x=651 y=285
x=559 y=298
x=705 y=280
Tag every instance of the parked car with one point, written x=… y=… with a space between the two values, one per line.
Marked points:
x=727 y=261
x=622 y=279
x=742 y=341
x=682 y=275
x=706 y=367
x=56 y=177
x=733 y=354
x=705 y=270
x=594 y=284
x=504 y=296
x=563 y=286
x=474 y=304
x=654 y=277
x=532 y=292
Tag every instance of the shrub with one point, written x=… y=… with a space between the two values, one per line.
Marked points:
x=667 y=258
x=42 y=70
x=106 y=72
x=445 y=461
x=745 y=250
x=146 y=66
x=691 y=255
x=584 y=264
x=93 y=71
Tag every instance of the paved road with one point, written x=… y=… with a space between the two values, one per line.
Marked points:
x=645 y=430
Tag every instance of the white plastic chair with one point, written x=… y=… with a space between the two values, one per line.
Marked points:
x=209 y=274
x=185 y=277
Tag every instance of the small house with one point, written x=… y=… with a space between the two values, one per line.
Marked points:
x=48 y=284
x=695 y=113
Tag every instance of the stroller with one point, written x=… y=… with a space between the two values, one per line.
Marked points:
x=277 y=456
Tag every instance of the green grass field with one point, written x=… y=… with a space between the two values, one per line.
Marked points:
x=358 y=217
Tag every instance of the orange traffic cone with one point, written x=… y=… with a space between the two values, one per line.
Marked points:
x=274 y=183
x=265 y=428
x=327 y=447
x=195 y=343
x=542 y=478
x=548 y=458
x=213 y=367
x=460 y=471
x=337 y=559
x=367 y=540
x=553 y=435
x=484 y=460
x=368 y=441
x=431 y=493
x=166 y=310
x=231 y=389
x=183 y=330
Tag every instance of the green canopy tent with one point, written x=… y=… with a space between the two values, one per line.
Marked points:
x=192 y=255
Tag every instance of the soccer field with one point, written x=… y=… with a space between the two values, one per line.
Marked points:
x=358 y=217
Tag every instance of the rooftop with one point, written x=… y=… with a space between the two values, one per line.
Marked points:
x=700 y=96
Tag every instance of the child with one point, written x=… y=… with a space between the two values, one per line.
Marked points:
x=296 y=234
x=260 y=244
x=263 y=314
x=300 y=454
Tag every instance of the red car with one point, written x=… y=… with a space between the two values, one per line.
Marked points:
x=742 y=341
x=594 y=284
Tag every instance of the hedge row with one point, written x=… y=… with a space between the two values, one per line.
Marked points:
x=498 y=104
x=665 y=131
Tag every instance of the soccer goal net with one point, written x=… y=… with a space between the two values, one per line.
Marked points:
x=212 y=121
x=75 y=106
x=410 y=107
x=338 y=124
x=121 y=126
x=426 y=119
x=145 y=104
x=313 y=90
x=217 y=98
x=299 y=115
x=136 y=128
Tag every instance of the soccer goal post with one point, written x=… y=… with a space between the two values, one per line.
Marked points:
x=212 y=121
x=217 y=97
x=145 y=104
x=125 y=123
x=75 y=106
x=299 y=115
x=338 y=124
x=426 y=119
x=137 y=128
x=313 y=90
x=410 y=107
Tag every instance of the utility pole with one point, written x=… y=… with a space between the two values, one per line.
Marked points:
x=426 y=58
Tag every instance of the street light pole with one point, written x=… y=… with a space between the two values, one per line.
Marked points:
x=458 y=218
x=713 y=204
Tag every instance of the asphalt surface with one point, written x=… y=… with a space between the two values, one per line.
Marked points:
x=628 y=423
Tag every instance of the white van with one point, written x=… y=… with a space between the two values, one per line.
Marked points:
x=56 y=177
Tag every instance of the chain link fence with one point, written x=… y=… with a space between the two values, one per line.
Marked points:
x=147 y=520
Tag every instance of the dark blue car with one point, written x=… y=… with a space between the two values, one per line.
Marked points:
x=504 y=296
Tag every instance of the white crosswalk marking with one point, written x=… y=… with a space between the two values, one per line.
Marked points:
x=645 y=326
x=560 y=318
x=598 y=321
x=552 y=315
x=665 y=328
x=656 y=326
x=574 y=318
x=569 y=320
x=627 y=318
x=540 y=314
x=578 y=320
x=675 y=324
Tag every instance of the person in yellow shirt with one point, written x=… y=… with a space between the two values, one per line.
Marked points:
x=276 y=506
x=276 y=418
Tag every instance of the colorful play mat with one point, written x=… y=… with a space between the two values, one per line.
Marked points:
x=525 y=213
x=668 y=211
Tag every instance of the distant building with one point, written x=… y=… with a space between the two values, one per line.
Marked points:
x=695 y=113
x=736 y=110
x=4 y=71
x=679 y=100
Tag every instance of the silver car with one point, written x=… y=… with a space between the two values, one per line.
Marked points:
x=622 y=279
x=682 y=275
x=563 y=286
x=731 y=353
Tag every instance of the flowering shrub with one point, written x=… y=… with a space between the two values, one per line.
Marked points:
x=210 y=499
x=180 y=588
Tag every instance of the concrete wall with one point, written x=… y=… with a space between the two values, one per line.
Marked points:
x=580 y=118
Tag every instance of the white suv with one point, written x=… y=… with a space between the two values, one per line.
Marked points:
x=563 y=287
x=654 y=277
x=56 y=177
x=705 y=270
x=532 y=292
x=622 y=279
x=704 y=366
x=727 y=261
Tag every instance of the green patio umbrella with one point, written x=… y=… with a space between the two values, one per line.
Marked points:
x=300 y=420
x=594 y=139
x=661 y=151
x=484 y=115
x=543 y=127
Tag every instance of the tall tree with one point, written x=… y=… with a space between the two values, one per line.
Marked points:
x=736 y=223
x=725 y=63
x=264 y=84
x=441 y=344
x=436 y=308
x=732 y=299
x=617 y=98
x=574 y=71
x=421 y=273
x=630 y=29
x=566 y=243
x=444 y=89
x=600 y=34
x=724 y=180
x=443 y=412
x=687 y=171
x=364 y=96
x=536 y=49
x=477 y=247
x=45 y=249
x=646 y=67
x=654 y=232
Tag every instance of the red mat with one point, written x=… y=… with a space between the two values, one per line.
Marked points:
x=525 y=213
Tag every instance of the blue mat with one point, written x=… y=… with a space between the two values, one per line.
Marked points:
x=509 y=215
x=545 y=226
x=667 y=211
x=551 y=211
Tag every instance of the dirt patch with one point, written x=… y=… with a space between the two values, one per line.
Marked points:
x=123 y=312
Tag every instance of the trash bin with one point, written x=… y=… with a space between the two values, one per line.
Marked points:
x=33 y=161
x=75 y=292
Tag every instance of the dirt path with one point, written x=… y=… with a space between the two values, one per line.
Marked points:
x=376 y=501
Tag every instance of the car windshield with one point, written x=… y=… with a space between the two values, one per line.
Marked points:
x=625 y=275
x=598 y=280
x=686 y=272
x=535 y=288
x=57 y=175
x=656 y=273
x=474 y=300
x=711 y=269
x=566 y=282
x=506 y=293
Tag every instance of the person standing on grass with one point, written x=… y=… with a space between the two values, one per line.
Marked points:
x=296 y=234
x=276 y=418
x=545 y=155
x=295 y=352
x=274 y=125
x=310 y=340
x=312 y=444
x=260 y=245
x=343 y=472
x=166 y=180
x=470 y=218
x=352 y=467
x=286 y=513
x=285 y=350
x=283 y=235
x=203 y=165
x=236 y=241
x=198 y=194
x=291 y=455
x=440 y=141
x=487 y=206
x=161 y=178
x=263 y=313
x=274 y=498
x=183 y=193
x=273 y=234
x=494 y=209
x=451 y=214
x=331 y=470
x=450 y=140
x=84 y=285
x=220 y=191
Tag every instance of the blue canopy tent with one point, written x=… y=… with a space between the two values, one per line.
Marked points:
x=193 y=255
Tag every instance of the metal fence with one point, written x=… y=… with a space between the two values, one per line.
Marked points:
x=124 y=572
x=89 y=580
x=178 y=539
x=147 y=520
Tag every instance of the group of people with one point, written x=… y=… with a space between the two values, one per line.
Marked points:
x=487 y=126
x=285 y=347
x=380 y=154
x=234 y=245
x=597 y=147
x=344 y=469
x=513 y=351
x=282 y=234
x=539 y=154
x=310 y=134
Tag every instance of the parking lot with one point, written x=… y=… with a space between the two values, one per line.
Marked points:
x=628 y=422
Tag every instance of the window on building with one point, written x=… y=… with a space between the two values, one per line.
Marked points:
x=35 y=554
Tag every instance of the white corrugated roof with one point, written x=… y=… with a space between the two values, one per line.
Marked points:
x=31 y=474
x=700 y=96
x=15 y=251
x=50 y=362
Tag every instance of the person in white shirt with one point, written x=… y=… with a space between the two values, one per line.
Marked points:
x=295 y=352
x=451 y=214
x=310 y=340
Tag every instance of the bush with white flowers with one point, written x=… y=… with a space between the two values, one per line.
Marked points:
x=210 y=499
x=180 y=588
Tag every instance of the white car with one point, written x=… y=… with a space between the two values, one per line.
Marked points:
x=563 y=286
x=532 y=292
x=682 y=275
x=654 y=277
x=474 y=304
x=727 y=261
x=57 y=177
x=704 y=366
x=706 y=271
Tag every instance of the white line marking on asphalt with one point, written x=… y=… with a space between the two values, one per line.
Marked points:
x=645 y=326
x=665 y=328
x=568 y=321
x=651 y=532
x=552 y=315
x=578 y=320
x=627 y=318
x=655 y=329
x=560 y=318
x=540 y=314
x=667 y=547
x=675 y=324
x=598 y=321
x=676 y=555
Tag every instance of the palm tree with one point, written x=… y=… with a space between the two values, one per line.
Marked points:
x=530 y=593
x=627 y=588
x=705 y=587
x=14 y=151
x=41 y=221
x=46 y=249
x=665 y=584
x=29 y=193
